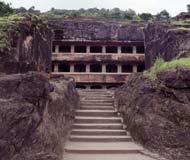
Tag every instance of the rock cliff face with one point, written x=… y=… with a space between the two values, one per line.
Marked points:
x=35 y=116
x=94 y=29
x=29 y=46
x=167 y=40
x=157 y=113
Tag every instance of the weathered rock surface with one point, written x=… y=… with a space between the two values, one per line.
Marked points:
x=35 y=116
x=94 y=29
x=30 y=47
x=166 y=40
x=157 y=113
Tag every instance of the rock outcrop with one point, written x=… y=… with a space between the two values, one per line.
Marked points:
x=35 y=116
x=97 y=29
x=157 y=113
x=167 y=40
x=27 y=45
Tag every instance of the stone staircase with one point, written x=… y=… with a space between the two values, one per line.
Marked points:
x=98 y=132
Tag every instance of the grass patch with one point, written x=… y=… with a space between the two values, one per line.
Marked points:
x=160 y=65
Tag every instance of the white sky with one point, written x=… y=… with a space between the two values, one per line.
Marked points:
x=152 y=6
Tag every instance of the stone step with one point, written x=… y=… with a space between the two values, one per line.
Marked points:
x=97 y=107
x=102 y=148
x=104 y=126
x=97 y=119
x=96 y=113
x=98 y=132
x=97 y=98
x=107 y=156
x=95 y=91
x=96 y=94
x=100 y=138
x=96 y=103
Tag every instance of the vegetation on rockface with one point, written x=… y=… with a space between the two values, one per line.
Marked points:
x=160 y=65
x=5 y=23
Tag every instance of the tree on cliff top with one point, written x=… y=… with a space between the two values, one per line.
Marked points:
x=163 y=15
x=5 y=9
x=146 y=16
x=188 y=8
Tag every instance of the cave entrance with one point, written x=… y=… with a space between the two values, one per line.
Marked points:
x=111 y=68
x=80 y=49
x=80 y=68
x=95 y=68
x=111 y=49
x=127 y=69
x=96 y=49
x=64 y=67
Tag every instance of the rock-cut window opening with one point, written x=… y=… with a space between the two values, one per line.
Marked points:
x=125 y=49
x=111 y=49
x=127 y=69
x=80 y=49
x=140 y=49
x=111 y=68
x=140 y=68
x=96 y=49
x=95 y=68
x=80 y=68
x=63 y=67
x=65 y=49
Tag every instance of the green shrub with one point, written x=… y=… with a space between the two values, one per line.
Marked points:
x=160 y=65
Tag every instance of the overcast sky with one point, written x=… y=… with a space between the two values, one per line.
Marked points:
x=153 y=6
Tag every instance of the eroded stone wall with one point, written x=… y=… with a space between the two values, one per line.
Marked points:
x=35 y=116
x=157 y=113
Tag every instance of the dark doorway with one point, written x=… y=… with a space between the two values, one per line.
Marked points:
x=96 y=87
x=80 y=86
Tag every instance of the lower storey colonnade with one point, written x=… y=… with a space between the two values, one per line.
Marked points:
x=97 y=68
